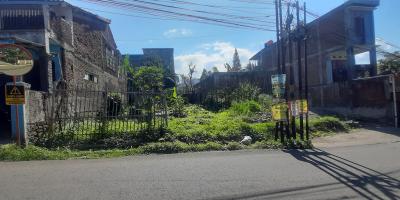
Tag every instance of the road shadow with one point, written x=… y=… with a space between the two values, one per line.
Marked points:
x=366 y=182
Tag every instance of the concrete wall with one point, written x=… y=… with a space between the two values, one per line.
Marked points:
x=369 y=99
x=35 y=108
x=232 y=80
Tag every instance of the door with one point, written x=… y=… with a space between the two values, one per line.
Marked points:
x=5 y=117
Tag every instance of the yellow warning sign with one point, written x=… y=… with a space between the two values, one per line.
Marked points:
x=15 y=94
x=279 y=112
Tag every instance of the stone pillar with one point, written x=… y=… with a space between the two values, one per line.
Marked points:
x=18 y=118
x=351 y=61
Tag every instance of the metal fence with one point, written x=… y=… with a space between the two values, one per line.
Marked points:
x=86 y=113
x=213 y=99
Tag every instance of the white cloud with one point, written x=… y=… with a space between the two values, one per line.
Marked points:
x=210 y=55
x=174 y=33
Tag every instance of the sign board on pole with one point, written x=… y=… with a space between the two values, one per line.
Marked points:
x=298 y=107
x=278 y=85
x=15 y=94
x=279 y=112
x=302 y=106
x=294 y=108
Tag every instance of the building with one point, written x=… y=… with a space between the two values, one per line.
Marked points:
x=337 y=82
x=70 y=47
x=154 y=56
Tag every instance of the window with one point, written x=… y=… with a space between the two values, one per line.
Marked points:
x=339 y=72
x=359 y=26
x=21 y=18
x=91 y=77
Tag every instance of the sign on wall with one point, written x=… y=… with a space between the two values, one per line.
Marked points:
x=15 y=94
x=278 y=85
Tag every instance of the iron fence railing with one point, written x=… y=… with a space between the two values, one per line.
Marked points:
x=87 y=114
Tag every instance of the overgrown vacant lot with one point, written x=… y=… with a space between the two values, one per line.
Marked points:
x=248 y=118
x=195 y=130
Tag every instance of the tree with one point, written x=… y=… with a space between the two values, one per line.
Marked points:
x=236 y=62
x=192 y=70
x=214 y=70
x=188 y=79
x=204 y=75
x=228 y=67
x=148 y=79
x=250 y=67
x=390 y=63
x=126 y=67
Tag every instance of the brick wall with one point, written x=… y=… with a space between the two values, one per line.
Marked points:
x=62 y=29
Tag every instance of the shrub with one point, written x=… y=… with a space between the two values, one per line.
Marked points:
x=245 y=108
x=265 y=101
x=178 y=147
x=327 y=125
x=177 y=106
x=165 y=147
x=231 y=146
x=245 y=91
x=209 y=146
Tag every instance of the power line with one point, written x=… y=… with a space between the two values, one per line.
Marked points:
x=168 y=11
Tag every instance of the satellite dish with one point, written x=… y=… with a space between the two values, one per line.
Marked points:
x=15 y=60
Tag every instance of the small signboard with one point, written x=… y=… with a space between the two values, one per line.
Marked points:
x=15 y=94
x=278 y=85
x=302 y=106
x=279 y=112
x=294 y=108
x=298 y=107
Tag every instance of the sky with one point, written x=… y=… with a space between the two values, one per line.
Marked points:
x=209 y=45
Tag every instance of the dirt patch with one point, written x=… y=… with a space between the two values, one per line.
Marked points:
x=362 y=136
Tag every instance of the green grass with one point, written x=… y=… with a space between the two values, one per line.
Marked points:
x=11 y=152
x=200 y=130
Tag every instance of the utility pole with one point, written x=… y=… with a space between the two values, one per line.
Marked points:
x=283 y=67
x=277 y=125
x=306 y=70
x=299 y=41
x=291 y=66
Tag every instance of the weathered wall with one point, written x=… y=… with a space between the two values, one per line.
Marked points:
x=35 y=106
x=370 y=98
x=232 y=80
x=88 y=48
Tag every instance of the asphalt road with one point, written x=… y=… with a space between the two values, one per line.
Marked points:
x=370 y=171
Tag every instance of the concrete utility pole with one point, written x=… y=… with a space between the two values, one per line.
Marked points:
x=299 y=41
x=306 y=70
x=289 y=21
x=277 y=125
x=283 y=63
